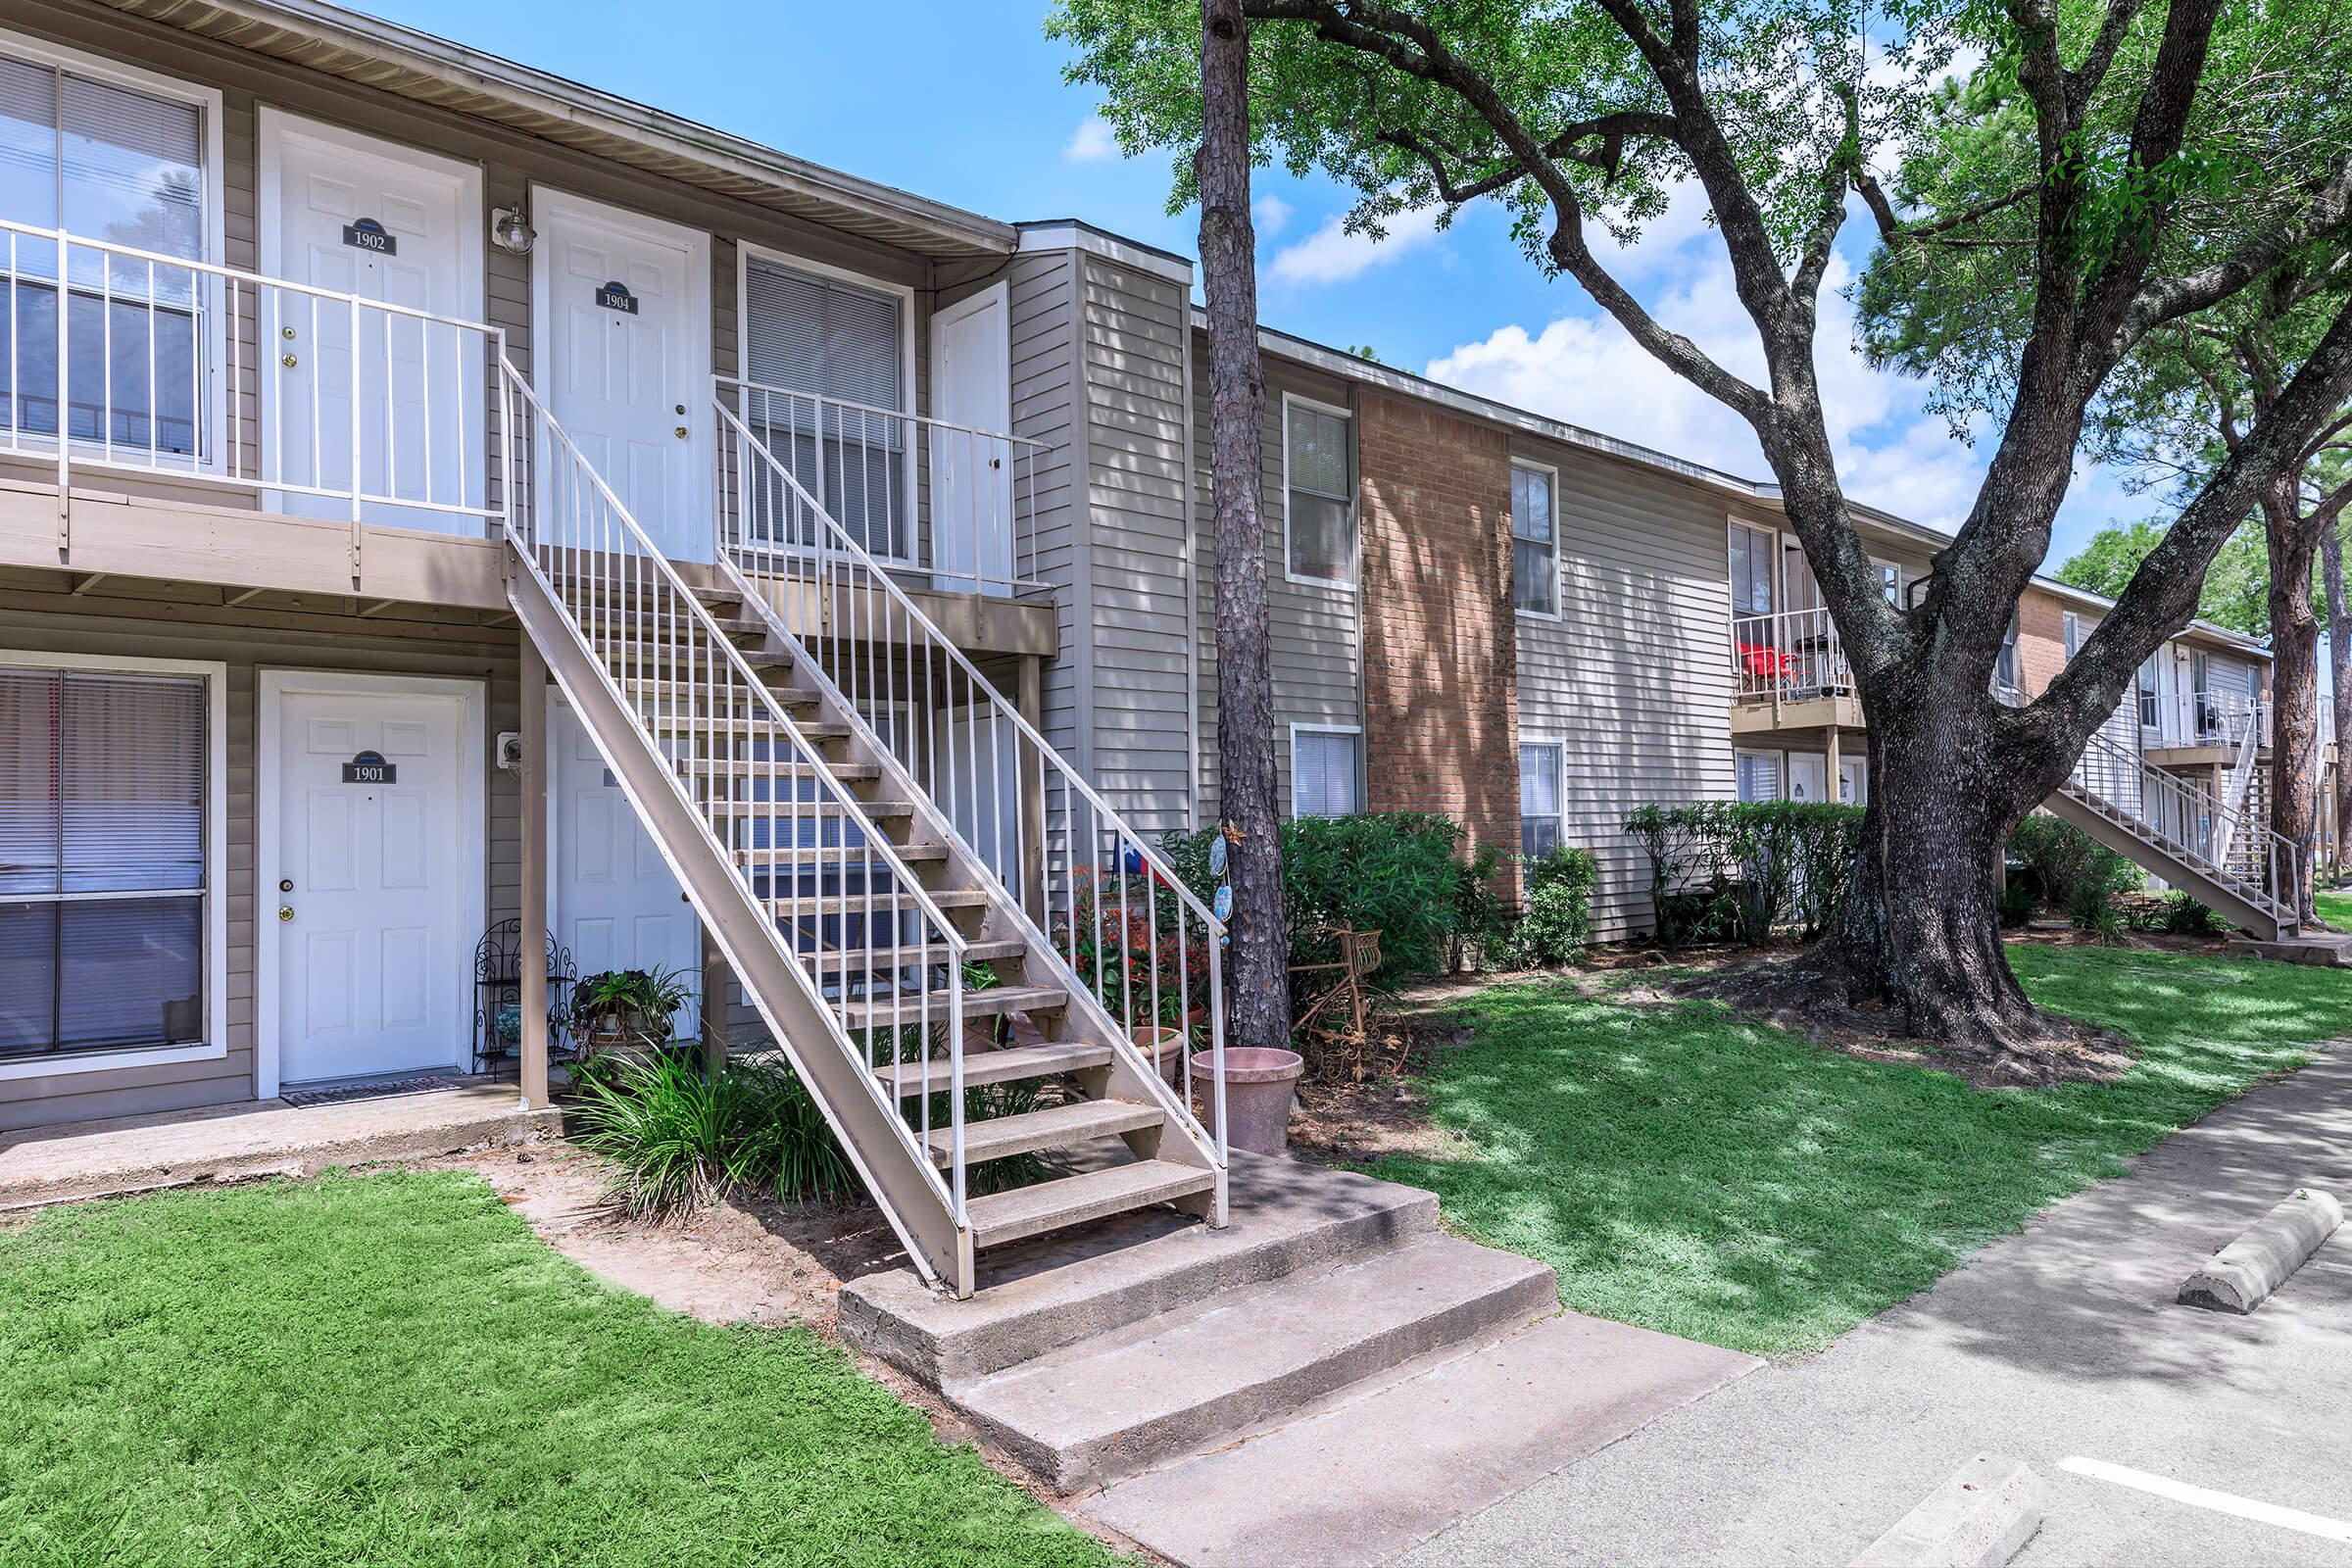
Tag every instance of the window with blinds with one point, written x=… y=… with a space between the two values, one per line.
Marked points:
x=102 y=861
x=106 y=163
x=1539 y=807
x=1323 y=772
x=1534 y=545
x=1757 y=775
x=835 y=357
x=1319 y=498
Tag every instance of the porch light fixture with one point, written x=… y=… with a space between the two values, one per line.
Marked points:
x=511 y=231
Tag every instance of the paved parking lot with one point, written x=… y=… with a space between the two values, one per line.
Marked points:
x=2058 y=1345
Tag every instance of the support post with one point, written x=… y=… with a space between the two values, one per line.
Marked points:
x=531 y=943
x=1837 y=779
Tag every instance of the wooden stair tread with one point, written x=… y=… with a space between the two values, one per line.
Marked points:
x=885 y=958
x=1054 y=1127
x=785 y=907
x=1003 y=1066
x=1074 y=1200
x=994 y=1002
x=836 y=853
x=782 y=768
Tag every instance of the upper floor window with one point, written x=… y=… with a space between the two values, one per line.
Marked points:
x=1323 y=771
x=2004 y=663
x=2072 y=627
x=1318 y=493
x=1751 y=570
x=113 y=162
x=1890 y=583
x=842 y=348
x=1534 y=542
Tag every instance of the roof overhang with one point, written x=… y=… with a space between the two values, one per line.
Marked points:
x=408 y=64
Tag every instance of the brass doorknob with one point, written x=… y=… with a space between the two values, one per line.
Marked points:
x=679 y=432
x=285 y=911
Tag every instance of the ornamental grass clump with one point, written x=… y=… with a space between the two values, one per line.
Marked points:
x=680 y=1135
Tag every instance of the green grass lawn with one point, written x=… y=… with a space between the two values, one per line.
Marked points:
x=2335 y=909
x=1737 y=1184
x=394 y=1370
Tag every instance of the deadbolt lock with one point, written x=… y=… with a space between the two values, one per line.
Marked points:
x=286 y=333
x=287 y=886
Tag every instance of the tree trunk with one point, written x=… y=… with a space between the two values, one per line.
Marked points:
x=1918 y=928
x=1237 y=404
x=2296 y=684
x=2339 y=657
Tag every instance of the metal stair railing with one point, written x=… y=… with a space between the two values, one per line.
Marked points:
x=657 y=650
x=2206 y=827
x=1137 y=950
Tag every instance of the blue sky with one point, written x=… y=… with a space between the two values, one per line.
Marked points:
x=965 y=104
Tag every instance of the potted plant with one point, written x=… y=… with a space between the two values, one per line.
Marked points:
x=627 y=1009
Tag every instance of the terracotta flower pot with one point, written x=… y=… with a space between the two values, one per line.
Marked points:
x=1261 y=1088
x=1165 y=1048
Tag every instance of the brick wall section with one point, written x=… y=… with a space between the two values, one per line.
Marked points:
x=1440 y=651
x=2041 y=641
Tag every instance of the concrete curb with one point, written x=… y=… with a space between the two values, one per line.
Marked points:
x=2241 y=1276
x=1981 y=1516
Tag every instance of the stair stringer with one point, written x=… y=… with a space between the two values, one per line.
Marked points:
x=871 y=1133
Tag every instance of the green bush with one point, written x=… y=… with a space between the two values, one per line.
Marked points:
x=1401 y=873
x=1557 y=922
x=2016 y=901
x=2185 y=916
x=681 y=1135
x=1738 y=871
x=2070 y=870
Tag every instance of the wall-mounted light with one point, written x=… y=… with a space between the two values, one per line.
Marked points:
x=511 y=231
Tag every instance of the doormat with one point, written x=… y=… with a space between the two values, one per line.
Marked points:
x=378 y=1090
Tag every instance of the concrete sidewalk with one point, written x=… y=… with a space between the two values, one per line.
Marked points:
x=2058 y=1342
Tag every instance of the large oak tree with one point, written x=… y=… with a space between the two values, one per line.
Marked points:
x=1578 y=114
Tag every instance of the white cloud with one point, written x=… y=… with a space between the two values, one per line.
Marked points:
x=1092 y=142
x=1270 y=212
x=1587 y=371
x=1332 y=254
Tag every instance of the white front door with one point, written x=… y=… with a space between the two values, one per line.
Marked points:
x=971 y=468
x=612 y=898
x=1808 y=776
x=622 y=328
x=353 y=216
x=372 y=868
x=1853 y=781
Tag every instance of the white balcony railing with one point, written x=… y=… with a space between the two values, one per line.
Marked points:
x=327 y=404
x=1788 y=655
x=2203 y=719
x=943 y=505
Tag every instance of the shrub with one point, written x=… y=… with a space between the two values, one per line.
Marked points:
x=2185 y=916
x=1557 y=922
x=681 y=1135
x=2016 y=902
x=1401 y=873
x=1724 y=870
x=2071 y=870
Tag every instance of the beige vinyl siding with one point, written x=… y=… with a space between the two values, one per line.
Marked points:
x=1315 y=632
x=1635 y=676
x=1135 y=329
x=1044 y=311
x=285 y=634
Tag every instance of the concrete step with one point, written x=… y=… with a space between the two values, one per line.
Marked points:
x=1379 y=1467
x=1055 y=1127
x=1039 y=1295
x=1041 y=1206
x=1123 y=1402
x=999 y=1068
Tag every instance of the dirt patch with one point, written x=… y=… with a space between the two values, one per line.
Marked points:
x=1351 y=1124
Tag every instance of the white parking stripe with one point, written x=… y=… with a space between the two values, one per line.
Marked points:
x=2268 y=1513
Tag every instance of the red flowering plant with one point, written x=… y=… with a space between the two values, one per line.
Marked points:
x=1124 y=941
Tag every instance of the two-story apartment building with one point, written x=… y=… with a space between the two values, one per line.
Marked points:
x=436 y=498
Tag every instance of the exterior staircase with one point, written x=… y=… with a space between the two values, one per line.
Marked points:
x=887 y=951
x=2227 y=859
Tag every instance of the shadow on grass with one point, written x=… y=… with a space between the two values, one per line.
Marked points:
x=1733 y=1182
